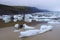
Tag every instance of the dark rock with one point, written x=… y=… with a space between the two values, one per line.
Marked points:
x=11 y=10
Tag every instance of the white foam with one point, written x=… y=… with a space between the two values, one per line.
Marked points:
x=16 y=25
x=26 y=27
x=16 y=30
x=54 y=22
x=20 y=17
x=28 y=18
x=43 y=28
x=28 y=33
x=6 y=18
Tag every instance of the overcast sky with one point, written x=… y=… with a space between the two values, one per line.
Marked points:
x=52 y=5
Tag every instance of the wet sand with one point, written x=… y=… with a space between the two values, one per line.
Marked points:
x=10 y=24
x=8 y=34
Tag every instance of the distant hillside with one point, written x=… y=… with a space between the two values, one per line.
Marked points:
x=5 y=9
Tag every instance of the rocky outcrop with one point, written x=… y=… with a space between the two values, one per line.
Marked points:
x=5 y=9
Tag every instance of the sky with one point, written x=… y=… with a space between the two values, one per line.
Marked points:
x=52 y=5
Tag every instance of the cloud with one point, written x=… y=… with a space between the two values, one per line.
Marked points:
x=53 y=5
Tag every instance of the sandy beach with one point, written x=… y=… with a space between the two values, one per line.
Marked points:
x=7 y=33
